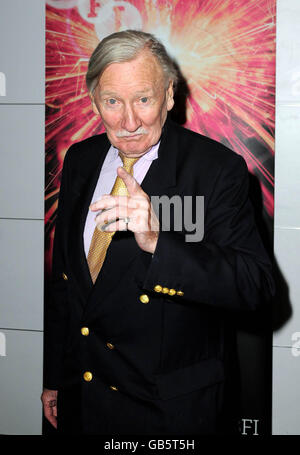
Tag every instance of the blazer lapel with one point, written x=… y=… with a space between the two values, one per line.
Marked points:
x=162 y=172
x=83 y=192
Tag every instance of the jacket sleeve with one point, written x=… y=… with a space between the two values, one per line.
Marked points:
x=55 y=311
x=229 y=267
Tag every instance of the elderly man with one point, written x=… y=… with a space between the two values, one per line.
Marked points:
x=136 y=339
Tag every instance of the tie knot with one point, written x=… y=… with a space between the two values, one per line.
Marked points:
x=128 y=163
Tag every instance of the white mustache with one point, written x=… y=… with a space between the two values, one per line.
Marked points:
x=124 y=133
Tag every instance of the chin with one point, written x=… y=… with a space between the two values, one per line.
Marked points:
x=132 y=147
x=135 y=152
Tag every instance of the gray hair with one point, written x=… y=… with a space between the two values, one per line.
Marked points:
x=125 y=46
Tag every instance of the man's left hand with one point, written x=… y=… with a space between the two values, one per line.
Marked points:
x=137 y=207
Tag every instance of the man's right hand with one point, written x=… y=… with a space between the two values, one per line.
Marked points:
x=49 y=400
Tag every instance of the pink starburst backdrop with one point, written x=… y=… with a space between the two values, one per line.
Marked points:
x=225 y=50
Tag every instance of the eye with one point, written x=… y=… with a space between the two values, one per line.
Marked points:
x=112 y=101
x=144 y=100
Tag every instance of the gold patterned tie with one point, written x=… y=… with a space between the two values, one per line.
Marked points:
x=101 y=240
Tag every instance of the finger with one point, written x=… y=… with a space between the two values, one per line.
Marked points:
x=119 y=225
x=108 y=202
x=138 y=223
x=53 y=421
x=48 y=411
x=134 y=189
x=113 y=214
x=104 y=202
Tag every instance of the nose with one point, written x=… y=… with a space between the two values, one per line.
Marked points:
x=130 y=120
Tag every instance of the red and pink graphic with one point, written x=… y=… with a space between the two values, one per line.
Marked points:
x=225 y=50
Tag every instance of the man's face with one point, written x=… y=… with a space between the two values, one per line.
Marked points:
x=132 y=101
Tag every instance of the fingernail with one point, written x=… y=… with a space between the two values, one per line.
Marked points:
x=101 y=228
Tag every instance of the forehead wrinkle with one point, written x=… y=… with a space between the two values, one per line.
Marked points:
x=146 y=91
x=144 y=70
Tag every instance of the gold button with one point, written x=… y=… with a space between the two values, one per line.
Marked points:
x=165 y=290
x=172 y=292
x=180 y=293
x=87 y=376
x=158 y=288
x=85 y=331
x=110 y=346
x=64 y=276
x=144 y=298
x=113 y=387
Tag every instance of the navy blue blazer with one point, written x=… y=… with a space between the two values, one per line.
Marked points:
x=159 y=363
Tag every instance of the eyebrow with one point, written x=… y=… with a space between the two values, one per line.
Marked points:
x=148 y=91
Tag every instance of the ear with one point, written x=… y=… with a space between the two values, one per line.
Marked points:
x=170 y=96
x=94 y=105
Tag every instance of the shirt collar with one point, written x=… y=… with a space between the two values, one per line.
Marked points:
x=113 y=154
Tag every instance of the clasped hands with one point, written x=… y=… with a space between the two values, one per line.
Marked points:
x=136 y=207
